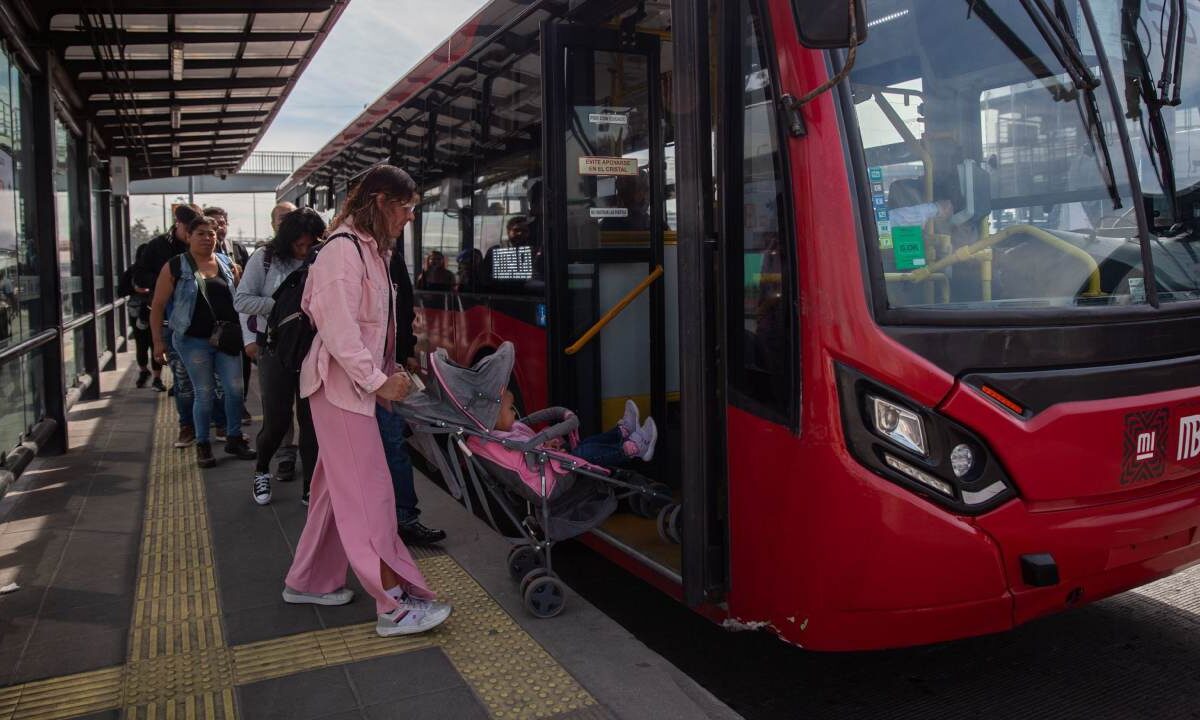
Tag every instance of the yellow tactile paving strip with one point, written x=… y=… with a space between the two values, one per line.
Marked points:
x=180 y=667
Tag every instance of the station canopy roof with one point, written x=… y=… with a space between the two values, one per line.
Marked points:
x=499 y=42
x=185 y=88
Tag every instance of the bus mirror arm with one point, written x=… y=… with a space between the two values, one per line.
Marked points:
x=793 y=118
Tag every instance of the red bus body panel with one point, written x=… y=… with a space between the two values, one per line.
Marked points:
x=829 y=555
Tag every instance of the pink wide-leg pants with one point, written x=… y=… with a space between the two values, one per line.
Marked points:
x=351 y=511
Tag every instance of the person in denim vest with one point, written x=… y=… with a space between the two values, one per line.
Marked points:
x=196 y=312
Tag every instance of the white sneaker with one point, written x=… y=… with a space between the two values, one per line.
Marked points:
x=644 y=438
x=262 y=488
x=629 y=421
x=337 y=597
x=413 y=616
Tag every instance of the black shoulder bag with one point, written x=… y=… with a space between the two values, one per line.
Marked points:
x=226 y=335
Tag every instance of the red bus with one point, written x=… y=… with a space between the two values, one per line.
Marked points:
x=925 y=350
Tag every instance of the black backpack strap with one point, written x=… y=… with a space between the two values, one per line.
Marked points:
x=357 y=245
x=268 y=256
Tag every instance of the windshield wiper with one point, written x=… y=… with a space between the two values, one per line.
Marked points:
x=1089 y=112
x=1157 y=139
x=1170 y=81
x=1139 y=207
x=1060 y=36
x=1061 y=43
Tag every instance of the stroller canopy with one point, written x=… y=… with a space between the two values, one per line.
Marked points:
x=462 y=395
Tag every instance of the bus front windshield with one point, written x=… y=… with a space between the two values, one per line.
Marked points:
x=997 y=177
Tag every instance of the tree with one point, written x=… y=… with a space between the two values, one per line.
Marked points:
x=138 y=234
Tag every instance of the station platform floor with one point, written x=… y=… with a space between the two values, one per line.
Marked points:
x=148 y=588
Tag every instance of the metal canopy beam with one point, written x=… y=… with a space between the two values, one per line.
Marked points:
x=166 y=131
x=124 y=86
x=190 y=119
x=81 y=66
x=165 y=104
x=50 y=8
x=206 y=184
x=133 y=37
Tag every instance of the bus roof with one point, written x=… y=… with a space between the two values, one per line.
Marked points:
x=490 y=24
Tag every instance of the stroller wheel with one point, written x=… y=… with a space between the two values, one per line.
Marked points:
x=522 y=559
x=668 y=523
x=647 y=506
x=545 y=597
x=532 y=575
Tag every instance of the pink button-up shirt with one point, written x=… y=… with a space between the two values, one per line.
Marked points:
x=347 y=298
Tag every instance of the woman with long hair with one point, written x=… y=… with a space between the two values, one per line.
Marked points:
x=200 y=284
x=351 y=367
x=280 y=388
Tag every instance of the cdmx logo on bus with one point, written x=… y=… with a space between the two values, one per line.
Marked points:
x=1145 y=456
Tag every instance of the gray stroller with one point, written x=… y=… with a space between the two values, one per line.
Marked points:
x=547 y=495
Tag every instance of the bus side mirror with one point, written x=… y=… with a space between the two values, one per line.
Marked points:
x=825 y=25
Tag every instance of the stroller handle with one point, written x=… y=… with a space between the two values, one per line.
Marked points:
x=564 y=422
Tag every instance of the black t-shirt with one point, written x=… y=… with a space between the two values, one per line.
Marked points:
x=220 y=295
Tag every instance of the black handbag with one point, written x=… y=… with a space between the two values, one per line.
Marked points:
x=226 y=334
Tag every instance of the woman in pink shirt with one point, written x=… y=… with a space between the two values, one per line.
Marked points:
x=351 y=366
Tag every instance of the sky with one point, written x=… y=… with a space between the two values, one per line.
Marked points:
x=373 y=44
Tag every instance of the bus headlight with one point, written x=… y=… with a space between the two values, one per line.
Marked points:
x=962 y=459
x=919 y=448
x=898 y=424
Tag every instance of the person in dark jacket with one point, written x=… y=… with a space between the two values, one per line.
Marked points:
x=392 y=427
x=140 y=287
x=240 y=257
x=159 y=250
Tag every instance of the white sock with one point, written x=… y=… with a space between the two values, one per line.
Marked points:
x=397 y=593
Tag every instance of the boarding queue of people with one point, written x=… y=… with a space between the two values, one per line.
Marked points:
x=208 y=318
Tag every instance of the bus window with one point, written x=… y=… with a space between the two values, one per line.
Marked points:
x=762 y=328
x=441 y=243
x=994 y=184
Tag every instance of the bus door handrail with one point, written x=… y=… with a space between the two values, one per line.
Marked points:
x=615 y=310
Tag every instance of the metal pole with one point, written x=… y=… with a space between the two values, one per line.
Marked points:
x=191 y=194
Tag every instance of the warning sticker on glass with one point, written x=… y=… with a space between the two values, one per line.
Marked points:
x=607 y=119
x=908 y=247
x=592 y=165
x=608 y=212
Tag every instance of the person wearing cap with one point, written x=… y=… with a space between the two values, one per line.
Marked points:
x=159 y=250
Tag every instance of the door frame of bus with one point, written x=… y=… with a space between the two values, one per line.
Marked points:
x=703 y=461
x=556 y=37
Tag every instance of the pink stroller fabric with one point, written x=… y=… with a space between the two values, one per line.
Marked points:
x=514 y=460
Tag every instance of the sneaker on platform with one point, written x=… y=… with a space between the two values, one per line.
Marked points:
x=414 y=533
x=413 y=616
x=262 y=488
x=143 y=376
x=341 y=596
x=158 y=385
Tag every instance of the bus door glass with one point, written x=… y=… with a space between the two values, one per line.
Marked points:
x=607 y=218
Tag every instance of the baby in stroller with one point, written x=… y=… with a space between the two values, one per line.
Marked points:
x=628 y=441
x=534 y=470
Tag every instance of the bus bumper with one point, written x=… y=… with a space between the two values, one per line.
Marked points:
x=1098 y=551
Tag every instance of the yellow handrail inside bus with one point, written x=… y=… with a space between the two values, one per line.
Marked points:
x=966 y=253
x=615 y=310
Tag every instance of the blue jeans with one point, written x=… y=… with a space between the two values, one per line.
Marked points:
x=391 y=430
x=201 y=360
x=183 y=386
x=603 y=449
